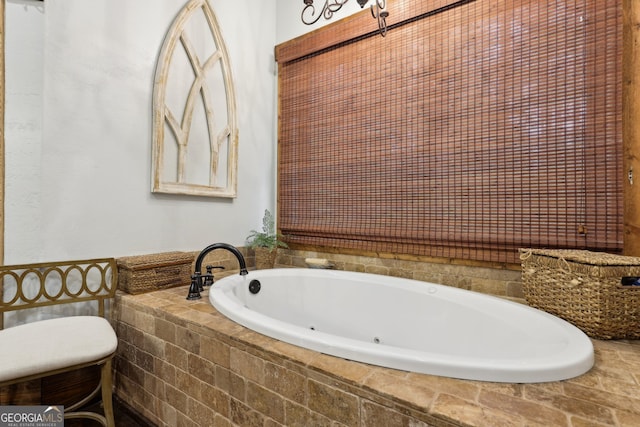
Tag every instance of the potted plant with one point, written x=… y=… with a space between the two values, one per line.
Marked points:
x=266 y=242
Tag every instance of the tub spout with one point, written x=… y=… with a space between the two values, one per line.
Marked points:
x=197 y=278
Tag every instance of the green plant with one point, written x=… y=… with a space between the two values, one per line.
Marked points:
x=268 y=237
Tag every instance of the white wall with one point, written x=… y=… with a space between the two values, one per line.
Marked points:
x=23 y=123
x=84 y=191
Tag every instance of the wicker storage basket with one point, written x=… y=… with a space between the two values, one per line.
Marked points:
x=144 y=273
x=585 y=289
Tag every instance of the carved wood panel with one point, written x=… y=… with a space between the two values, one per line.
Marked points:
x=195 y=134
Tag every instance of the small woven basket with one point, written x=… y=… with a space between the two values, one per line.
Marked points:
x=585 y=289
x=145 y=273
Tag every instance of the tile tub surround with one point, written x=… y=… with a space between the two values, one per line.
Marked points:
x=181 y=363
x=502 y=280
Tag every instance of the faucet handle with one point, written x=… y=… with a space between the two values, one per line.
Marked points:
x=194 y=288
x=208 y=278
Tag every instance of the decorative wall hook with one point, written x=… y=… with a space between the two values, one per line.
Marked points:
x=310 y=15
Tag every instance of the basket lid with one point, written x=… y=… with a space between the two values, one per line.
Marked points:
x=141 y=262
x=583 y=256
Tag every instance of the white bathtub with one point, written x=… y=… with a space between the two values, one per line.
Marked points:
x=406 y=324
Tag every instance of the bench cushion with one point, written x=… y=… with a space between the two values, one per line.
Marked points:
x=39 y=347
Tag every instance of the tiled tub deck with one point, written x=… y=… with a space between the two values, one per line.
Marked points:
x=180 y=363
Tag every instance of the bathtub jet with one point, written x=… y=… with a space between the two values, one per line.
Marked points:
x=406 y=324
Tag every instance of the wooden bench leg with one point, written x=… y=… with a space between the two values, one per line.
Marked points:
x=107 y=402
x=105 y=388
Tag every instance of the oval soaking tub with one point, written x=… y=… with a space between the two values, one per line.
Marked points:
x=405 y=324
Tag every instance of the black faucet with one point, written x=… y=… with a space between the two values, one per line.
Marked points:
x=196 y=279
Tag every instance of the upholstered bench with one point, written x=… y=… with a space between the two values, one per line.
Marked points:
x=46 y=347
x=51 y=345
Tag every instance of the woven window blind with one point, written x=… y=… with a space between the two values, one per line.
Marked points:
x=472 y=129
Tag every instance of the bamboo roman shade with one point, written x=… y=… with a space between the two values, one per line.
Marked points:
x=472 y=129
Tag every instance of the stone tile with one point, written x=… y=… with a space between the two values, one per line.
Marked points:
x=347 y=370
x=127 y=315
x=175 y=309
x=168 y=414
x=427 y=276
x=242 y=415
x=131 y=334
x=223 y=378
x=489 y=286
x=591 y=380
x=376 y=269
x=224 y=326
x=166 y=371
x=300 y=416
x=627 y=419
x=196 y=316
x=293 y=352
x=154 y=386
x=611 y=362
x=165 y=330
x=153 y=345
x=200 y=413
x=124 y=386
x=177 y=356
x=630 y=354
x=578 y=407
x=188 y=340
x=183 y=420
x=265 y=401
x=151 y=300
x=514 y=289
x=222 y=422
x=397 y=386
x=465 y=389
x=351 y=267
x=333 y=403
x=374 y=415
x=617 y=345
x=150 y=408
x=202 y=368
x=237 y=387
x=145 y=322
x=401 y=272
x=253 y=339
x=250 y=366
x=457 y=410
x=215 y=398
x=285 y=382
x=547 y=387
x=177 y=398
x=613 y=401
x=188 y=384
x=460 y=282
x=136 y=374
x=509 y=389
x=582 y=422
x=531 y=411
x=625 y=385
x=204 y=306
x=126 y=351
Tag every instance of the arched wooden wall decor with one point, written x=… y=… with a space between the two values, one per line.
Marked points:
x=195 y=134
